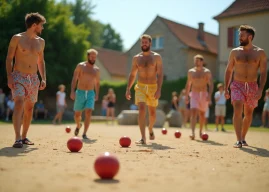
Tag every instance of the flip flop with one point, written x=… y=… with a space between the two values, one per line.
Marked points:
x=26 y=141
x=141 y=141
x=18 y=144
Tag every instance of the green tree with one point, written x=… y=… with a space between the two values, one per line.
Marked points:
x=111 y=39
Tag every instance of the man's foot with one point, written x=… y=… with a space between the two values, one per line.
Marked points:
x=77 y=130
x=217 y=129
x=141 y=141
x=26 y=141
x=151 y=136
x=84 y=136
x=18 y=144
x=244 y=143
x=192 y=137
x=238 y=144
x=223 y=130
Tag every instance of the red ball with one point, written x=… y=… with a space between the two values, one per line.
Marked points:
x=177 y=134
x=164 y=131
x=74 y=144
x=204 y=136
x=68 y=129
x=125 y=141
x=106 y=166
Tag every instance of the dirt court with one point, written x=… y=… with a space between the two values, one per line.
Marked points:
x=164 y=164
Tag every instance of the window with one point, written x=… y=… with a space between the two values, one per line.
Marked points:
x=157 y=43
x=233 y=37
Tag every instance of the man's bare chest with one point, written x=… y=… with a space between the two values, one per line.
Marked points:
x=88 y=73
x=247 y=57
x=146 y=62
x=198 y=75
x=29 y=46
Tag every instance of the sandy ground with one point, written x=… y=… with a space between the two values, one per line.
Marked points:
x=164 y=164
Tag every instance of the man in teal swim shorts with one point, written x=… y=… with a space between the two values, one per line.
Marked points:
x=87 y=80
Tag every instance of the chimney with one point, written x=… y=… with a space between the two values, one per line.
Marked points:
x=201 y=33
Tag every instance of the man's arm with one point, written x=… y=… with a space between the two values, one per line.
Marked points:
x=188 y=84
x=132 y=74
x=263 y=70
x=75 y=78
x=159 y=72
x=11 y=53
x=210 y=83
x=229 y=70
x=97 y=84
x=41 y=62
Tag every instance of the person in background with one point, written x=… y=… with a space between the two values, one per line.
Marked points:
x=10 y=107
x=60 y=104
x=111 y=97
x=265 y=112
x=174 y=101
x=220 y=108
x=182 y=107
x=2 y=102
x=40 y=108
x=104 y=105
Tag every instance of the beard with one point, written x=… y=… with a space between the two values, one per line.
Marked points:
x=146 y=49
x=91 y=61
x=244 y=43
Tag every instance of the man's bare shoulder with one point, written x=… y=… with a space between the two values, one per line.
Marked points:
x=258 y=49
x=17 y=36
x=96 y=68
x=191 y=70
x=81 y=64
x=206 y=70
x=40 y=39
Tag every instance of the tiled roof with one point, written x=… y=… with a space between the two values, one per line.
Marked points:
x=239 y=7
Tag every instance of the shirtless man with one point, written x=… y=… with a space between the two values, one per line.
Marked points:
x=245 y=61
x=148 y=65
x=87 y=80
x=28 y=50
x=199 y=78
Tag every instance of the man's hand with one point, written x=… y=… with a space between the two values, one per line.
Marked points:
x=10 y=82
x=208 y=98
x=258 y=94
x=42 y=85
x=96 y=97
x=72 y=95
x=227 y=94
x=128 y=94
x=187 y=99
x=157 y=94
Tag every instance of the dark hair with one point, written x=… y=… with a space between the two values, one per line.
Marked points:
x=33 y=18
x=249 y=29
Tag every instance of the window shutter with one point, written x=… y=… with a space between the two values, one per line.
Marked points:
x=230 y=36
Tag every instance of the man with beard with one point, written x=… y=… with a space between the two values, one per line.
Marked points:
x=199 y=79
x=87 y=80
x=149 y=68
x=244 y=62
x=28 y=50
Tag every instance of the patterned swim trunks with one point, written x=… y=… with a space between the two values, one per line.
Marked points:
x=26 y=85
x=244 y=91
x=145 y=93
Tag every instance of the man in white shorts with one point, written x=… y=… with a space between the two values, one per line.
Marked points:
x=220 y=107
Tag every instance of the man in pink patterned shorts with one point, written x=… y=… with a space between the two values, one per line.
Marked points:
x=245 y=61
x=199 y=78
x=28 y=50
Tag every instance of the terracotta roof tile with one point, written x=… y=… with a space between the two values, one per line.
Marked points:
x=189 y=36
x=114 y=61
x=240 y=7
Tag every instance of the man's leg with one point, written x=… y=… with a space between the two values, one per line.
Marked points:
x=222 y=122
x=248 y=112
x=87 y=121
x=237 y=119
x=193 y=120
x=217 y=123
x=142 y=119
x=27 y=117
x=152 y=119
x=264 y=114
x=77 y=118
x=201 y=120
x=17 y=114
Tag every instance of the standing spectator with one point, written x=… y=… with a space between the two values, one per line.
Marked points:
x=265 y=112
x=60 y=104
x=174 y=101
x=104 y=105
x=40 y=108
x=10 y=107
x=111 y=97
x=2 y=102
x=220 y=108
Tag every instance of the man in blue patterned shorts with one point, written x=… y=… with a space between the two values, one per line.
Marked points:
x=87 y=80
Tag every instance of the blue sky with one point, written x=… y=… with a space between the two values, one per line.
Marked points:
x=131 y=18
